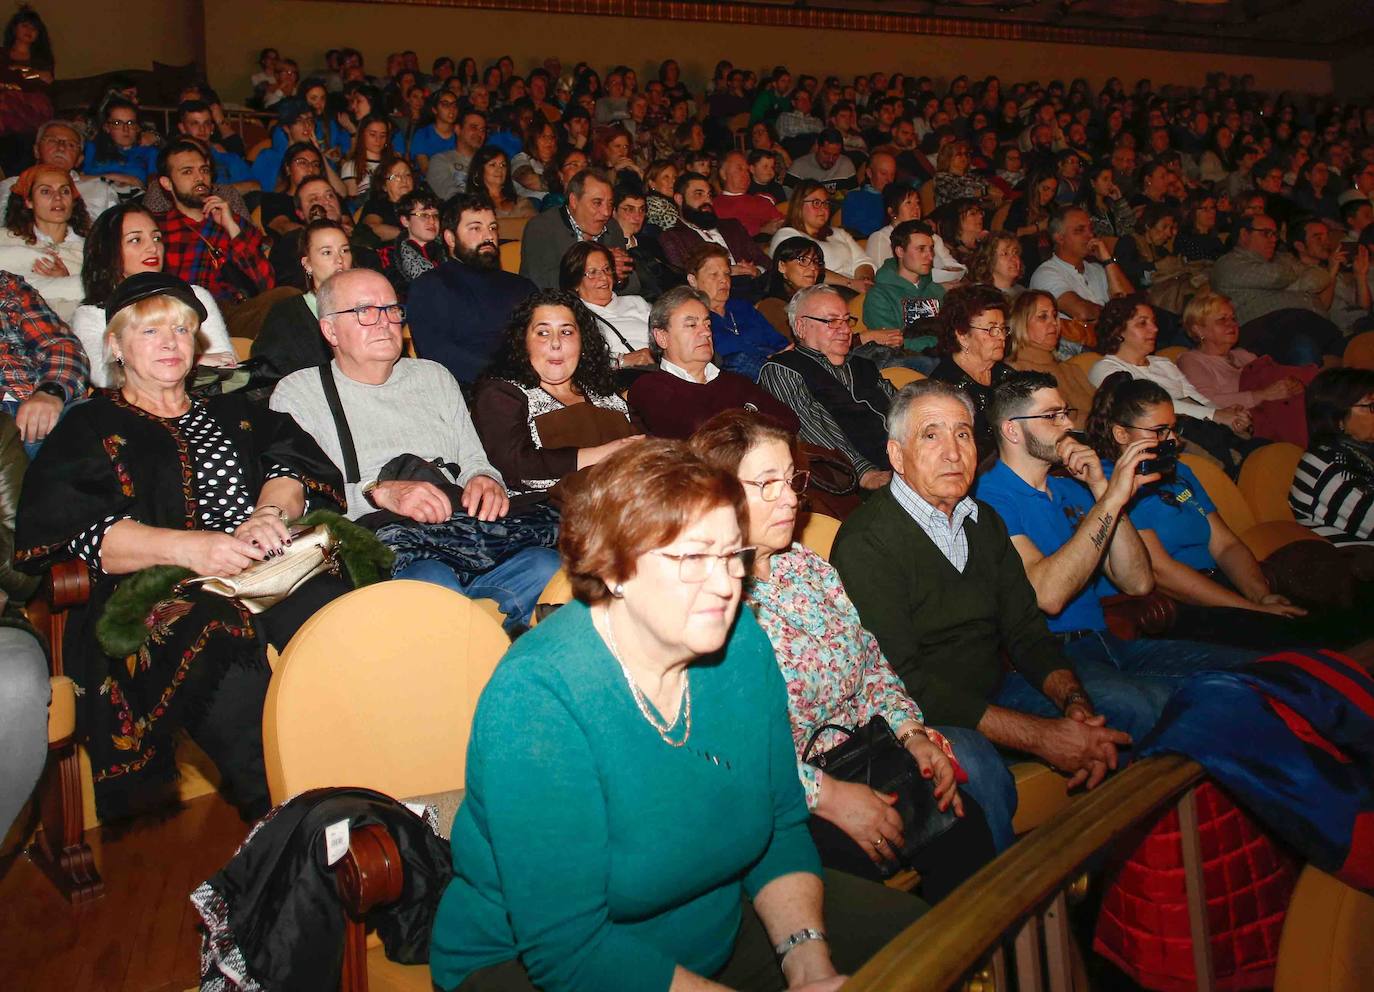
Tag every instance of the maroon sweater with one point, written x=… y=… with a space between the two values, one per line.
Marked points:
x=675 y=408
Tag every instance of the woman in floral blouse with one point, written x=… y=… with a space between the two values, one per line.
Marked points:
x=836 y=674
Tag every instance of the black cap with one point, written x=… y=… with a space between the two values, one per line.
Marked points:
x=292 y=109
x=143 y=285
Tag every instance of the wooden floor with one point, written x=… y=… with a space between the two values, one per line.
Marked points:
x=141 y=937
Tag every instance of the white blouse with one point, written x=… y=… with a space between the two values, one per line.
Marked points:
x=88 y=323
x=842 y=252
x=627 y=314
x=62 y=293
x=1188 y=401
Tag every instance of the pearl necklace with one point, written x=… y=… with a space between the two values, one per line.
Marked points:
x=642 y=701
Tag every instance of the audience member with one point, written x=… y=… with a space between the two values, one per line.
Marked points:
x=837 y=675
x=1080 y=290
x=808 y=216
x=127 y=481
x=44 y=236
x=371 y=152
x=43 y=367
x=290 y=338
x=548 y=407
x=434 y=138
x=421 y=248
x=905 y=298
x=653 y=544
x=126 y=240
x=840 y=399
x=1230 y=376
x=826 y=165
x=392 y=180
x=447 y=171
x=863 y=211
x=1333 y=489
x=390 y=407
x=489 y=174
x=459 y=310
x=742 y=336
x=588 y=269
x=757 y=213
x=796 y=264
x=1031 y=346
x=529 y=166
x=997 y=262
x=587 y=217
x=59 y=145
x=689 y=389
x=315 y=199
x=698 y=224
x=973 y=342
x=116 y=153
x=196 y=120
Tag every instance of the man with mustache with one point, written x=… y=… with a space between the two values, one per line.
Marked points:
x=698 y=222
x=206 y=243
x=459 y=310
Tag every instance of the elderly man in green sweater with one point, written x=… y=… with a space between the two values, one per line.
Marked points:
x=905 y=298
x=936 y=579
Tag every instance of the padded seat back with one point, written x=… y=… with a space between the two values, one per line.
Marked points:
x=1359 y=352
x=1085 y=360
x=900 y=376
x=1265 y=478
x=510 y=256
x=818 y=533
x=1230 y=503
x=377 y=690
x=1172 y=352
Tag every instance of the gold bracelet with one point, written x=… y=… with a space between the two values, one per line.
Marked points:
x=906 y=735
x=270 y=506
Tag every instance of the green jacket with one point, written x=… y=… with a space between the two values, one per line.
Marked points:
x=943 y=630
x=883 y=302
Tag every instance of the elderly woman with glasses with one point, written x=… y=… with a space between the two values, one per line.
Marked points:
x=652 y=833
x=837 y=674
x=973 y=342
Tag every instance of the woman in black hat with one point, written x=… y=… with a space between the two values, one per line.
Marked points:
x=141 y=477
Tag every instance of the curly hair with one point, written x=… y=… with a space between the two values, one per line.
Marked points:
x=1119 y=399
x=19 y=216
x=1112 y=321
x=985 y=256
x=962 y=304
x=102 y=268
x=594 y=375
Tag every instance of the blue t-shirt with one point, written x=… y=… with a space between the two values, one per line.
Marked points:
x=425 y=141
x=140 y=161
x=1177 y=512
x=862 y=212
x=1048 y=520
x=229 y=167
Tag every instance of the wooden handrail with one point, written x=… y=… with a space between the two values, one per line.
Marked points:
x=943 y=946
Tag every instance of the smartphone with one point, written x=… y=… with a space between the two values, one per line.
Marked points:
x=1164 y=462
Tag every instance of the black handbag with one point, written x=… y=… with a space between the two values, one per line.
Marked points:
x=871 y=755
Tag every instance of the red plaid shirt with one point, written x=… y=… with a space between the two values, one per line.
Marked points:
x=35 y=345
x=198 y=253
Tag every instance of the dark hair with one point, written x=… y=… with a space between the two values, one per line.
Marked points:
x=414 y=200
x=102 y=266
x=1010 y=396
x=19 y=216
x=640 y=498
x=180 y=146
x=1120 y=398
x=961 y=305
x=800 y=192
x=894 y=195
x=594 y=375
x=105 y=148
x=724 y=440
x=284 y=172
x=578 y=183
x=40 y=52
x=461 y=203
x=789 y=250
x=1329 y=398
x=901 y=234
x=701 y=254
x=1112 y=321
x=476 y=180
x=686 y=179
x=1156 y=212
x=573 y=266
x=191 y=107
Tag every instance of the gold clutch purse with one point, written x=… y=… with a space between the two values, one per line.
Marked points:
x=260 y=587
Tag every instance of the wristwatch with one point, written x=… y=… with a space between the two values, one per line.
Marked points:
x=1076 y=698
x=368 y=490
x=51 y=389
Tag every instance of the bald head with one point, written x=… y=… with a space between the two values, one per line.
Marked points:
x=882 y=169
x=362 y=323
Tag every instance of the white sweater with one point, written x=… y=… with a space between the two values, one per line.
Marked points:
x=1164 y=373
x=62 y=293
x=89 y=324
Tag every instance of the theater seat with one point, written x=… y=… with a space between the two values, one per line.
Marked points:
x=1359 y=352
x=1040 y=793
x=818 y=533
x=1265 y=478
x=900 y=376
x=510 y=256
x=557 y=592
x=1325 y=943
x=1263 y=538
x=1172 y=352
x=1085 y=360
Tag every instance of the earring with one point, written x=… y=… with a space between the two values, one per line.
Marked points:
x=119 y=360
x=618 y=591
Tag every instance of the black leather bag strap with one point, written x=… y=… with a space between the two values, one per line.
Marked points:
x=331 y=396
x=606 y=323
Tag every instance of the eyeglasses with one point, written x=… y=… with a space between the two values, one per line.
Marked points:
x=132 y=123
x=425 y=215
x=303 y=160
x=1363 y=406
x=696 y=568
x=1267 y=232
x=805 y=261
x=846 y=322
x=1064 y=415
x=368 y=313
x=771 y=489
x=816 y=203
x=1160 y=433
x=396 y=177
x=996 y=330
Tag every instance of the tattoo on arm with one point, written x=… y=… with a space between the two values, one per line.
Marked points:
x=1100 y=537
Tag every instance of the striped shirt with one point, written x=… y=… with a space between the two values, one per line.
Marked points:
x=946 y=532
x=1331 y=501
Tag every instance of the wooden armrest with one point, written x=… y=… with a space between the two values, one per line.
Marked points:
x=68 y=584
x=1129 y=617
x=371 y=873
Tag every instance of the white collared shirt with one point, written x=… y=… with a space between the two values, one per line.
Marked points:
x=709 y=373
x=947 y=533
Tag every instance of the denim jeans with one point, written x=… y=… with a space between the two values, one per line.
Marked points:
x=989 y=780
x=1155 y=667
x=515 y=584
x=1125 y=704
x=30 y=447
x=24 y=696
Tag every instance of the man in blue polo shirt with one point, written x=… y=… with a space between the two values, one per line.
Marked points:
x=439 y=136
x=1075 y=538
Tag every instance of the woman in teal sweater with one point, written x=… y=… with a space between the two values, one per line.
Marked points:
x=630 y=774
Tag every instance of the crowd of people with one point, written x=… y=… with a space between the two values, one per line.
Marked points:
x=712 y=290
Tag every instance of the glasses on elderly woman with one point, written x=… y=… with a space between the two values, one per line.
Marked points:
x=695 y=568
x=771 y=489
x=993 y=330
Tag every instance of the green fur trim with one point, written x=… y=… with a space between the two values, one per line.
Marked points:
x=367 y=559
x=123 y=627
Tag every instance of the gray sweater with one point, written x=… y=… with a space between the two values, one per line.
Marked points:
x=419 y=410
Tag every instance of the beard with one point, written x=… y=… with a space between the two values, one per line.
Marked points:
x=1048 y=453
x=701 y=218
x=486 y=256
x=194 y=198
